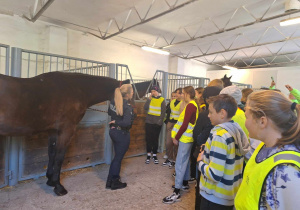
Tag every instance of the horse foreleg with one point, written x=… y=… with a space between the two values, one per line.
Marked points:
x=51 y=153
x=62 y=144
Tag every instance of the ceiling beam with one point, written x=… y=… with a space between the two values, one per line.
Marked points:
x=141 y=20
x=245 y=47
x=221 y=31
x=34 y=14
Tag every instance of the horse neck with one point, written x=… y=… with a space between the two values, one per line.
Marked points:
x=98 y=89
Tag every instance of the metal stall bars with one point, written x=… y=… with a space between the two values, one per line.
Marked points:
x=169 y=82
x=242 y=85
x=137 y=132
x=28 y=156
x=4 y=141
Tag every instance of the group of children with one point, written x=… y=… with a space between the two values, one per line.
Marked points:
x=217 y=125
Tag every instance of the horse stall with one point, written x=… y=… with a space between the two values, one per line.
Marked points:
x=4 y=69
x=168 y=82
x=91 y=145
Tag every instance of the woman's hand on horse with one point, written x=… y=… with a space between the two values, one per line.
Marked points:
x=112 y=122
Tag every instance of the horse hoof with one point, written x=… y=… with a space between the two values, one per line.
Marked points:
x=60 y=191
x=50 y=183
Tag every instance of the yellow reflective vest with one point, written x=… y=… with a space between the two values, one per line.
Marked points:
x=249 y=194
x=187 y=136
x=155 y=106
x=175 y=110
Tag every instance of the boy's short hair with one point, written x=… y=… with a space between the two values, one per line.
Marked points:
x=224 y=101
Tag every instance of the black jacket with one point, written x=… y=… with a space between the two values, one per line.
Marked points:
x=124 y=121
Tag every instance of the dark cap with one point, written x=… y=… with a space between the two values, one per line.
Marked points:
x=155 y=87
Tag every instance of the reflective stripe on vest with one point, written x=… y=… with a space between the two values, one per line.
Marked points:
x=187 y=136
x=175 y=110
x=249 y=194
x=155 y=106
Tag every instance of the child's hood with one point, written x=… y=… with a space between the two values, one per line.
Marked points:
x=239 y=136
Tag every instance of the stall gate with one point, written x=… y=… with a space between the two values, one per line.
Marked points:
x=169 y=82
x=4 y=141
x=28 y=156
x=242 y=85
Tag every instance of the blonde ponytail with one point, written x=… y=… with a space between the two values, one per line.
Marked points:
x=118 y=102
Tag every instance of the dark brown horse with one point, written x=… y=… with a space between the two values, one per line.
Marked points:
x=226 y=81
x=142 y=87
x=53 y=102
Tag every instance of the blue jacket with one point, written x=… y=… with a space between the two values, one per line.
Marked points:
x=124 y=121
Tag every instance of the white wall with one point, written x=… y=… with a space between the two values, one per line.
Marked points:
x=262 y=77
x=41 y=36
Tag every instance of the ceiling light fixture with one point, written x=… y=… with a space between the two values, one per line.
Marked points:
x=229 y=67
x=290 y=21
x=150 y=49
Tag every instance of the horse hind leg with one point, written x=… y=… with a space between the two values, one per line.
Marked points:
x=51 y=153
x=63 y=142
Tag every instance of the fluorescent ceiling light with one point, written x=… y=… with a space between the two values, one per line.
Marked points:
x=229 y=67
x=162 y=52
x=290 y=21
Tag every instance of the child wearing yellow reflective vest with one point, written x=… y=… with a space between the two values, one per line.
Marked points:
x=156 y=108
x=272 y=176
x=171 y=148
x=221 y=162
x=182 y=134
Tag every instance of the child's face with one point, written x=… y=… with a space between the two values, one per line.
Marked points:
x=154 y=93
x=173 y=96
x=216 y=117
x=251 y=124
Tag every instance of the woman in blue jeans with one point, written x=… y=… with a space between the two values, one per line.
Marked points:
x=119 y=133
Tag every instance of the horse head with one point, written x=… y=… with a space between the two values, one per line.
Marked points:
x=226 y=81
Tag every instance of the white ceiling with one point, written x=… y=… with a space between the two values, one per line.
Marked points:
x=241 y=33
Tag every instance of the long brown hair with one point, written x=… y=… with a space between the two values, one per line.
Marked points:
x=275 y=106
x=120 y=93
x=200 y=100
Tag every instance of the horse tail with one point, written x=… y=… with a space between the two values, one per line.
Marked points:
x=119 y=101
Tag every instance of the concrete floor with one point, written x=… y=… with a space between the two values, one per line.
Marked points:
x=147 y=186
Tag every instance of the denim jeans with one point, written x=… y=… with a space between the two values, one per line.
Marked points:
x=121 y=140
x=182 y=166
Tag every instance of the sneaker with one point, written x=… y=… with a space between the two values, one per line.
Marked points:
x=167 y=163
x=165 y=156
x=147 y=161
x=155 y=160
x=172 y=165
x=172 y=198
x=174 y=174
x=192 y=179
x=184 y=187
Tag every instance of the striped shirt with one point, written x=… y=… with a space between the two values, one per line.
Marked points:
x=221 y=168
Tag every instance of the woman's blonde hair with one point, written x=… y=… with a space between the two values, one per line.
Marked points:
x=275 y=106
x=120 y=93
x=216 y=82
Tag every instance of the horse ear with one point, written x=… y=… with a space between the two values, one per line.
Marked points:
x=225 y=76
x=127 y=81
x=230 y=77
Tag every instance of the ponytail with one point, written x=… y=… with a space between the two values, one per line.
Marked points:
x=284 y=114
x=118 y=102
x=292 y=136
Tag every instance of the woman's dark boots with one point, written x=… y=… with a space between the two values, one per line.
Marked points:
x=108 y=184
x=117 y=184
